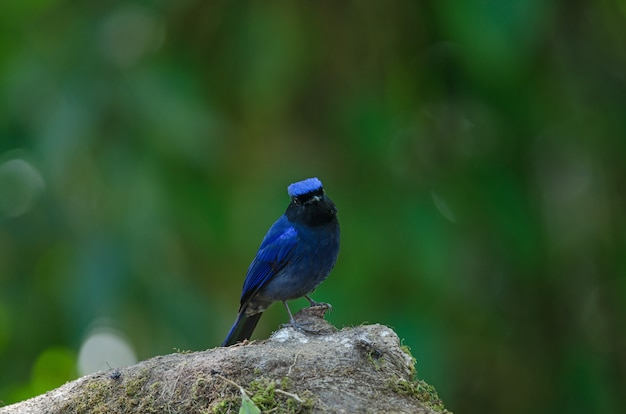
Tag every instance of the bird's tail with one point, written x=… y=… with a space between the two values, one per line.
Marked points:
x=242 y=328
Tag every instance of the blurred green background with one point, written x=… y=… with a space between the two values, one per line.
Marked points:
x=476 y=151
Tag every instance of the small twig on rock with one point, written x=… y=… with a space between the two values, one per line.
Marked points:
x=233 y=383
x=295 y=359
x=243 y=391
x=288 y=394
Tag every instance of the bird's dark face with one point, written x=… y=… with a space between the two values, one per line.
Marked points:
x=312 y=209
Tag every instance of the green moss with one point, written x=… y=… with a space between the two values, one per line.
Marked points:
x=266 y=398
x=137 y=393
x=407 y=350
x=134 y=385
x=93 y=400
x=155 y=387
x=376 y=362
x=286 y=383
x=263 y=394
x=226 y=406
x=420 y=390
x=373 y=355
x=198 y=388
x=105 y=395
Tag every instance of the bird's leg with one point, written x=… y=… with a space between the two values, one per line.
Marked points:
x=292 y=321
x=314 y=303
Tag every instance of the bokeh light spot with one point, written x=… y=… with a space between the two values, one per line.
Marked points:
x=104 y=348
x=129 y=34
x=443 y=207
x=20 y=186
x=53 y=367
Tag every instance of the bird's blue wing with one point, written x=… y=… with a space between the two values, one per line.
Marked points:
x=276 y=251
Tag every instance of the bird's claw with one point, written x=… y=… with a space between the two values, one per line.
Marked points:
x=313 y=303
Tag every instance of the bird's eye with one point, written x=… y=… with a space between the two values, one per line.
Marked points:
x=296 y=201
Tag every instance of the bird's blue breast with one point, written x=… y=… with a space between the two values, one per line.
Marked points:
x=292 y=260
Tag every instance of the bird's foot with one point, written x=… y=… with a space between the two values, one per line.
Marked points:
x=311 y=319
x=313 y=303
x=327 y=306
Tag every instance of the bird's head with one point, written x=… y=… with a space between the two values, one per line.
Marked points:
x=309 y=204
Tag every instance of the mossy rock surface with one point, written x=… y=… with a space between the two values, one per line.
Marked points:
x=361 y=369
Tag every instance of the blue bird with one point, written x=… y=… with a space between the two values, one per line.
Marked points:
x=296 y=255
